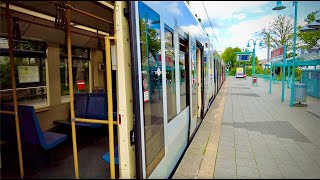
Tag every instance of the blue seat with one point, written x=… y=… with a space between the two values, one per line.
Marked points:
x=81 y=104
x=106 y=156
x=32 y=133
x=97 y=106
x=91 y=106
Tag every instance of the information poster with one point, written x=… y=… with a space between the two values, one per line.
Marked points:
x=28 y=74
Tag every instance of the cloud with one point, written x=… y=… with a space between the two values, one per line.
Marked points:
x=208 y=30
x=174 y=7
x=240 y=16
x=225 y=9
x=239 y=34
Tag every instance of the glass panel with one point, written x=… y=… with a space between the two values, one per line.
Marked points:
x=77 y=52
x=205 y=82
x=194 y=79
x=80 y=72
x=30 y=75
x=182 y=68
x=149 y=22
x=170 y=74
x=30 y=72
x=183 y=57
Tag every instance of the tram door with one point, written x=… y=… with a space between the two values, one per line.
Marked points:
x=150 y=80
x=199 y=89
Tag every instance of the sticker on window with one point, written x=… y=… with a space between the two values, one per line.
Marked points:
x=145 y=96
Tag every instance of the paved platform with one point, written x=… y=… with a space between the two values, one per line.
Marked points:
x=258 y=136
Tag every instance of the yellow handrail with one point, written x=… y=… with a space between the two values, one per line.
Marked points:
x=110 y=108
x=94 y=121
x=7 y=112
x=73 y=127
x=14 y=91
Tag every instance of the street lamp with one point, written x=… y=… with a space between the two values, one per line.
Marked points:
x=254 y=54
x=295 y=4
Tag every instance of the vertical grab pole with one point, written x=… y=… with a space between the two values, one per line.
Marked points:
x=110 y=108
x=14 y=92
x=73 y=126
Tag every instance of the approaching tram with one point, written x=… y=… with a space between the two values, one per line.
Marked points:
x=102 y=89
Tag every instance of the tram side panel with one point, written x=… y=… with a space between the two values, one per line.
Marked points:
x=165 y=110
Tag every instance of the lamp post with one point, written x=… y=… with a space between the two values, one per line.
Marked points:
x=279 y=6
x=254 y=55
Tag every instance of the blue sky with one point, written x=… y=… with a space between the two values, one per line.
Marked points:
x=235 y=22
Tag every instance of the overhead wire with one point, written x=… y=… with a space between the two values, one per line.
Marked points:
x=214 y=34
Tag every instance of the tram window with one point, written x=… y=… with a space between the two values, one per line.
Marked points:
x=150 y=44
x=80 y=71
x=194 y=79
x=183 y=57
x=30 y=72
x=170 y=76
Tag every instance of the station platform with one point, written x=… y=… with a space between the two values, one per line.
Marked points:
x=249 y=133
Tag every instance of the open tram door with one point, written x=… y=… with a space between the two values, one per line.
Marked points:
x=124 y=121
x=87 y=22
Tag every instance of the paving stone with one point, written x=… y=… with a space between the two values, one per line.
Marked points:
x=290 y=171
x=246 y=162
x=244 y=155
x=223 y=173
x=225 y=163
x=247 y=172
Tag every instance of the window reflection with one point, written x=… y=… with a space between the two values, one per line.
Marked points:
x=170 y=75
x=149 y=23
x=183 y=57
x=194 y=79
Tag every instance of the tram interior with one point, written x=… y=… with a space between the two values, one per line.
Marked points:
x=41 y=73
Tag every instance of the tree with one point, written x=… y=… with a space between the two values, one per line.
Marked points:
x=256 y=62
x=280 y=32
x=229 y=55
x=309 y=38
x=154 y=45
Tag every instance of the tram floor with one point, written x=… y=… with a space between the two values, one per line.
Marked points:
x=58 y=163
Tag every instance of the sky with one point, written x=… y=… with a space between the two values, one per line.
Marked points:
x=236 y=22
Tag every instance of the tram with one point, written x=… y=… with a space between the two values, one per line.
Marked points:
x=144 y=72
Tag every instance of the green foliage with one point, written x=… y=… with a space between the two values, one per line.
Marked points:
x=248 y=71
x=309 y=38
x=298 y=74
x=233 y=71
x=5 y=72
x=229 y=55
x=154 y=44
x=259 y=70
